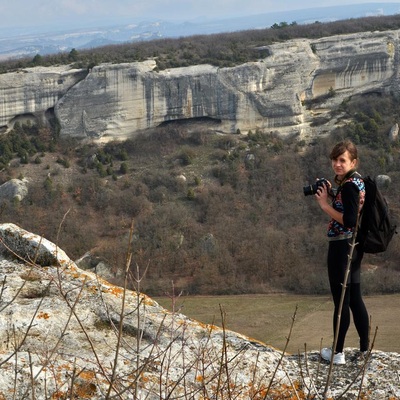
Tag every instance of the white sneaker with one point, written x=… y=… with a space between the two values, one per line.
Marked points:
x=338 y=358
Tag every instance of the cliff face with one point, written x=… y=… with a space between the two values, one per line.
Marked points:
x=115 y=101
x=32 y=92
x=68 y=334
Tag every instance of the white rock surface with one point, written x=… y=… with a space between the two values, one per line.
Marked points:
x=394 y=132
x=116 y=101
x=14 y=189
x=66 y=333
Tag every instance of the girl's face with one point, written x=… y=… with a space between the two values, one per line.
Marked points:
x=343 y=164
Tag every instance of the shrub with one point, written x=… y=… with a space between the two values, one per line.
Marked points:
x=186 y=156
x=64 y=162
x=190 y=194
x=123 y=169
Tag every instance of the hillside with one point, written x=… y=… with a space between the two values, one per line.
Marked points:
x=214 y=212
x=224 y=49
x=44 y=40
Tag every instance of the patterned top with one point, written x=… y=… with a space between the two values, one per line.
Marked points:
x=349 y=200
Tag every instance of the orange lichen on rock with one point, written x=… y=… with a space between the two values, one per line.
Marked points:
x=284 y=391
x=84 y=390
x=43 y=315
x=87 y=375
x=115 y=290
x=58 y=395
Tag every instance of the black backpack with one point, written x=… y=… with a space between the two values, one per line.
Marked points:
x=377 y=226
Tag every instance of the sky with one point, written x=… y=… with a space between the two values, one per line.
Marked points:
x=29 y=13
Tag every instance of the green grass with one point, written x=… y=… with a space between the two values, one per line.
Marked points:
x=267 y=318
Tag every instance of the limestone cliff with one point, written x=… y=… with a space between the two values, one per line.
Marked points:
x=32 y=92
x=68 y=334
x=115 y=101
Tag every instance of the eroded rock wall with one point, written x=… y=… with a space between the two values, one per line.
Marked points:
x=34 y=91
x=115 y=101
x=357 y=62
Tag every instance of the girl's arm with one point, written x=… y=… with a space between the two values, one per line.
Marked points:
x=350 y=199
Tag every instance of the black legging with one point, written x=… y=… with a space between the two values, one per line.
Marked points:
x=337 y=262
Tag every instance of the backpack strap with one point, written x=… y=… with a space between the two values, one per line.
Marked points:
x=349 y=175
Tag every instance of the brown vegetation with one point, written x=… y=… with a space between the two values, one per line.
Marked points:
x=214 y=214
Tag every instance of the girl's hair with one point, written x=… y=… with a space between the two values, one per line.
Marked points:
x=341 y=147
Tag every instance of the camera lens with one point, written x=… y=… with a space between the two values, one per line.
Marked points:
x=312 y=189
x=309 y=190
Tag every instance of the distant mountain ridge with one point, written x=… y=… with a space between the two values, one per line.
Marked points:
x=22 y=43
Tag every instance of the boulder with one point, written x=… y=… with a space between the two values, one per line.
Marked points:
x=394 y=133
x=30 y=247
x=95 y=264
x=14 y=189
x=383 y=181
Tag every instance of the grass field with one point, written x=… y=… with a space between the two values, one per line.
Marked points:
x=267 y=318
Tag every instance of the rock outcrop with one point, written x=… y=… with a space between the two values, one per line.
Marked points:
x=66 y=333
x=394 y=133
x=34 y=91
x=383 y=181
x=115 y=101
x=14 y=189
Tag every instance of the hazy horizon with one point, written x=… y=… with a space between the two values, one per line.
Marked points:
x=27 y=15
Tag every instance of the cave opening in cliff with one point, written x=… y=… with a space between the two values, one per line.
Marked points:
x=43 y=119
x=189 y=122
x=23 y=119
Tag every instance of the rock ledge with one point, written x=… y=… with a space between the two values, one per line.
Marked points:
x=68 y=334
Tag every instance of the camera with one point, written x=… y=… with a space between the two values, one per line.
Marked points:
x=312 y=189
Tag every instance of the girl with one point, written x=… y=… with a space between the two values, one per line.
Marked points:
x=343 y=208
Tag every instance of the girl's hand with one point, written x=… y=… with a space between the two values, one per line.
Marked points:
x=322 y=195
x=323 y=198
